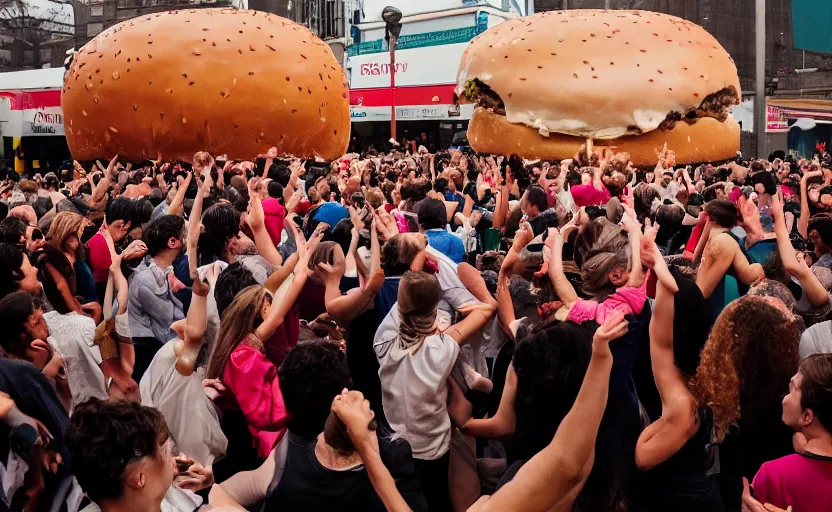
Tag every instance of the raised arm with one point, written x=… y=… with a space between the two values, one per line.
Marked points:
x=552 y=479
x=343 y=308
x=815 y=292
x=356 y=414
x=803 y=221
x=278 y=311
x=257 y=222
x=563 y=288
x=477 y=315
x=665 y=437
x=504 y=421
x=176 y=207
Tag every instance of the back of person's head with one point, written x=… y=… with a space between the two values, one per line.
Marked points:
x=691 y=323
x=144 y=211
x=231 y=281
x=12 y=230
x=723 y=212
x=536 y=196
x=239 y=320
x=608 y=253
x=15 y=312
x=11 y=260
x=415 y=191
x=123 y=209
x=311 y=375
x=823 y=225
x=108 y=439
x=275 y=189
x=221 y=220
x=440 y=185
x=160 y=231
x=432 y=214
x=279 y=174
x=419 y=293
x=550 y=366
x=670 y=215
x=816 y=388
x=397 y=253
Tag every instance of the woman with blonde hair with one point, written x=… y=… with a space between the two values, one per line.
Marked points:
x=64 y=252
x=238 y=358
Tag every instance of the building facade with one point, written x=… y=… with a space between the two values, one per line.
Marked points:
x=433 y=36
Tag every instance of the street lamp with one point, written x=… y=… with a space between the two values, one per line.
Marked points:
x=392 y=18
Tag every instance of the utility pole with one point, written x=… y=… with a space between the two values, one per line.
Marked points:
x=760 y=109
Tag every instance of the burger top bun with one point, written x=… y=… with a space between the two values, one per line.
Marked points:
x=595 y=73
x=219 y=80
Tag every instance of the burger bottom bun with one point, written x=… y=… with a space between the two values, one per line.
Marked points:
x=706 y=140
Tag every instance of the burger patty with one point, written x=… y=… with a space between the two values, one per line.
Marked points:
x=716 y=105
x=480 y=94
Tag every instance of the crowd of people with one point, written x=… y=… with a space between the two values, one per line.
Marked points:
x=417 y=330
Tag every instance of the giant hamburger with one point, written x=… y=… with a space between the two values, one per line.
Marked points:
x=543 y=85
x=219 y=80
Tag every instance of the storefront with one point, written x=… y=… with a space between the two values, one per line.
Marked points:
x=806 y=123
x=427 y=57
x=31 y=119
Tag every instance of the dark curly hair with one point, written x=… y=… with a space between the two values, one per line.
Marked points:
x=161 y=230
x=105 y=437
x=312 y=374
x=550 y=366
x=747 y=362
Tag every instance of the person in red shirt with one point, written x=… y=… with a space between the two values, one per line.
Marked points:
x=803 y=481
x=274 y=212
x=118 y=220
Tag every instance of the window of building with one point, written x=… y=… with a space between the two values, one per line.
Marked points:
x=96 y=10
x=45 y=55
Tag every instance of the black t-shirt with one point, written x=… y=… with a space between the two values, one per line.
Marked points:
x=308 y=486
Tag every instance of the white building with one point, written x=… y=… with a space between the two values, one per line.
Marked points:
x=433 y=36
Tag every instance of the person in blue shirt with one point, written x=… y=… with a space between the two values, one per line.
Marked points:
x=433 y=217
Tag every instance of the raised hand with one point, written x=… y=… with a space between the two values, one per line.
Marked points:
x=614 y=327
x=355 y=413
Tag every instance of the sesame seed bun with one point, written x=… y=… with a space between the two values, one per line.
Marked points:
x=225 y=81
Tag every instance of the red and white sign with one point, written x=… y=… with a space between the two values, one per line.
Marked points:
x=414 y=67
x=376 y=68
x=776 y=119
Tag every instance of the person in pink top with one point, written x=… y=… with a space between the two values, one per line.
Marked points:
x=274 y=212
x=802 y=481
x=591 y=191
x=239 y=361
x=611 y=271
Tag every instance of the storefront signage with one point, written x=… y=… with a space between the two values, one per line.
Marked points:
x=44 y=121
x=376 y=68
x=437 y=112
x=419 y=66
x=776 y=119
